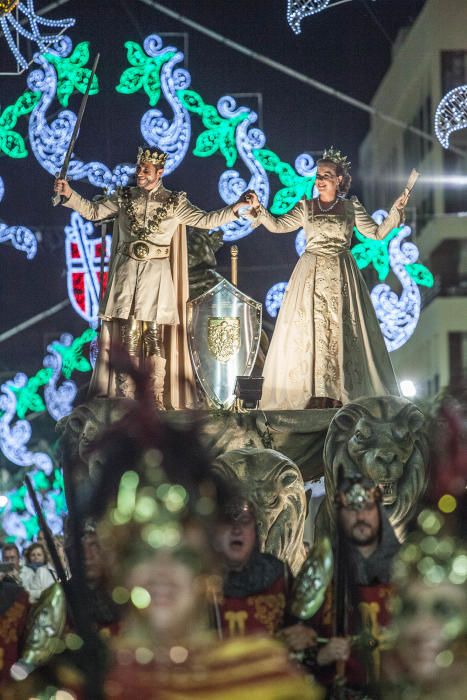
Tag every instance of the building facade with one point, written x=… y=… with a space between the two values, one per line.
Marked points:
x=429 y=59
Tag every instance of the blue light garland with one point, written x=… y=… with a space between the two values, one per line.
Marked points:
x=9 y=24
x=83 y=263
x=297 y=10
x=274 y=298
x=451 y=114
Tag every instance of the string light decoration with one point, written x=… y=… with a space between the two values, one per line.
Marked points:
x=173 y=137
x=248 y=138
x=49 y=142
x=18 y=397
x=20 y=237
x=274 y=298
x=29 y=28
x=398 y=315
x=65 y=357
x=11 y=142
x=296 y=184
x=378 y=254
x=451 y=114
x=297 y=10
x=300 y=242
x=83 y=263
x=229 y=129
x=72 y=74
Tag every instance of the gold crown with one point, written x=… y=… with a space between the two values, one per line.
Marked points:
x=7 y=6
x=336 y=157
x=155 y=156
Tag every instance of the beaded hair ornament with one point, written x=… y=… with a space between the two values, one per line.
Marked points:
x=356 y=493
x=154 y=156
x=335 y=156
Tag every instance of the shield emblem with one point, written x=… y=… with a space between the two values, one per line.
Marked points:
x=224 y=329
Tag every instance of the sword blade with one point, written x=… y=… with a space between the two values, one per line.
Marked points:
x=56 y=199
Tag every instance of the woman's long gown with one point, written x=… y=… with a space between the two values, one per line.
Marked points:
x=327 y=341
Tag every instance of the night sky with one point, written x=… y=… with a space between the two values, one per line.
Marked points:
x=348 y=48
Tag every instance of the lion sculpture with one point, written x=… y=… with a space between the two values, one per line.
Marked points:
x=79 y=430
x=273 y=483
x=384 y=439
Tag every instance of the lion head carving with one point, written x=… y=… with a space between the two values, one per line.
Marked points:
x=80 y=429
x=384 y=439
x=274 y=484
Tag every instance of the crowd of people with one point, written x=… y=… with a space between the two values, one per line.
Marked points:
x=169 y=596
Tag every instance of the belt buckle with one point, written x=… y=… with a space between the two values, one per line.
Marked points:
x=140 y=250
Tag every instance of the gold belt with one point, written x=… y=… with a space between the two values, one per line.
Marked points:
x=142 y=250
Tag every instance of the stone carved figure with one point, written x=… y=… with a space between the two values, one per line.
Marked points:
x=79 y=429
x=274 y=484
x=202 y=247
x=383 y=438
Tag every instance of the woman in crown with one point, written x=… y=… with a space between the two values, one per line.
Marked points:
x=327 y=346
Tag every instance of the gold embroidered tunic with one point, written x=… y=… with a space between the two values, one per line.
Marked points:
x=144 y=287
x=327 y=341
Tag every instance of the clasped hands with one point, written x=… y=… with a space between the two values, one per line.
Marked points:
x=248 y=199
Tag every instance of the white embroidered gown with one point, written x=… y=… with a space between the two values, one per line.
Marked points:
x=327 y=341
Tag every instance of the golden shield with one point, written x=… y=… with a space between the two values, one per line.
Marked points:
x=223 y=337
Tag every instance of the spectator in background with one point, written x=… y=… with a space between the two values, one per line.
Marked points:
x=59 y=542
x=36 y=575
x=11 y=555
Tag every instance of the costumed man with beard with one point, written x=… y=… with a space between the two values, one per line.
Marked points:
x=147 y=285
x=257 y=585
x=361 y=589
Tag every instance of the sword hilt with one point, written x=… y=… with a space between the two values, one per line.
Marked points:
x=58 y=199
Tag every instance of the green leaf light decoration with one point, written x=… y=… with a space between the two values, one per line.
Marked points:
x=31 y=526
x=295 y=186
x=373 y=252
x=220 y=132
x=16 y=499
x=72 y=355
x=50 y=485
x=376 y=253
x=144 y=74
x=27 y=398
x=72 y=76
x=420 y=274
x=12 y=143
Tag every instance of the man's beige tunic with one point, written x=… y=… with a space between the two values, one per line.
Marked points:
x=144 y=288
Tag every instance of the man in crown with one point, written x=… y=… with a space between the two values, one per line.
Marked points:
x=356 y=611
x=147 y=286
